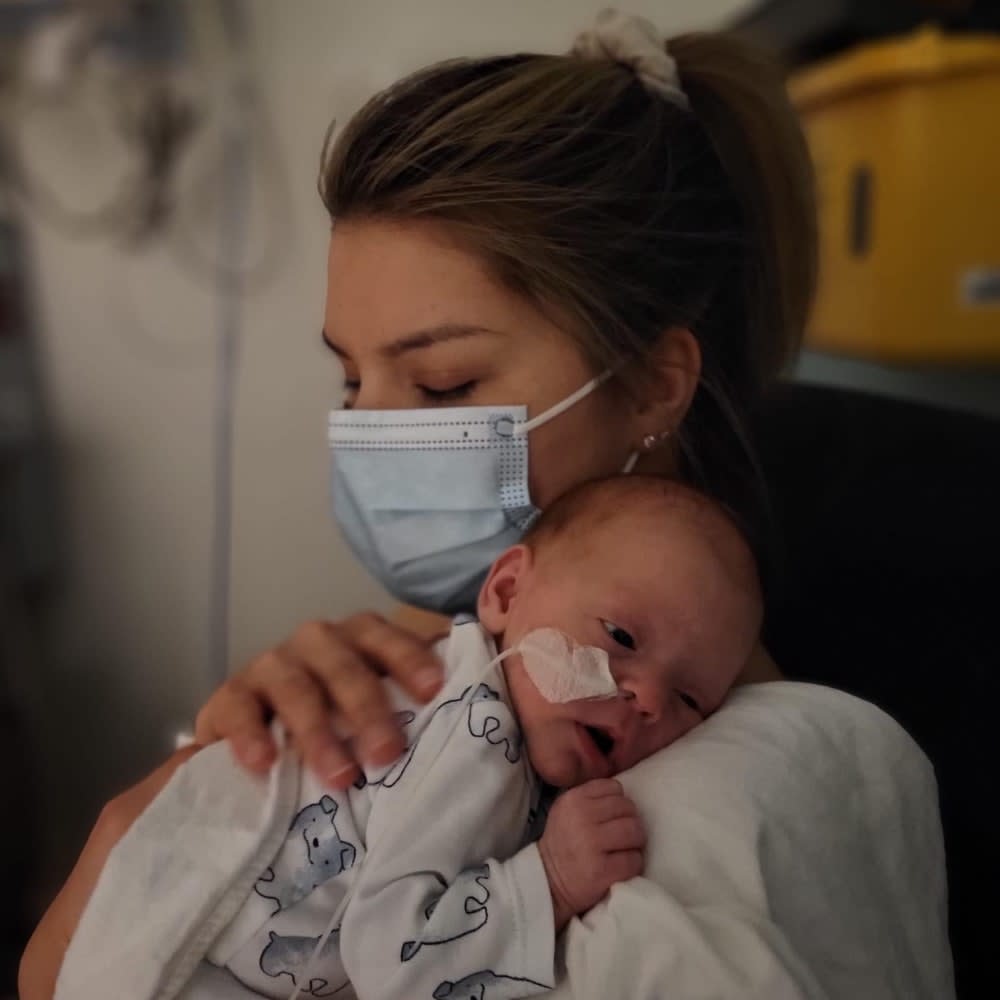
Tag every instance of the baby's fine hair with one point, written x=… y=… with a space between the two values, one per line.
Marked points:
x=600 y=503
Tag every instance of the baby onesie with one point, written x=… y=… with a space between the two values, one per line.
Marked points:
x=446 y=896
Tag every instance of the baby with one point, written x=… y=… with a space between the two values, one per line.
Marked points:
x=427 y=879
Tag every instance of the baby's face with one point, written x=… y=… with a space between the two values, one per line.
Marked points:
x=661 y=602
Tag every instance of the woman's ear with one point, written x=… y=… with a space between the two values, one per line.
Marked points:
x=672 y=374
x=499 y=593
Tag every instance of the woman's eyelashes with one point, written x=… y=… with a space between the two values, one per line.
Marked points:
x=618 y=634
x=431 y=395
x=448 y=395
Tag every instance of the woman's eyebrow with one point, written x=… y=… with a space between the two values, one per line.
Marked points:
x=420 y=339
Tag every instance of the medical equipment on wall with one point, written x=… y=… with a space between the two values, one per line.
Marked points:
x=197 y=157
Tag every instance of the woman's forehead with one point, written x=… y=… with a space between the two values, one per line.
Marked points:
x=398 y=268
x=391 y=283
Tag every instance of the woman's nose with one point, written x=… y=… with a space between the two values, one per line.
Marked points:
x=376 y=393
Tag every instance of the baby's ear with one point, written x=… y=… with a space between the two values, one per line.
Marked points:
x=506 y=579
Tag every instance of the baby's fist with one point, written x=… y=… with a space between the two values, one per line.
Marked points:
x=593 y=838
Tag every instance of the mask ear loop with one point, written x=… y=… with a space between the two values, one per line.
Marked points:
x=561 y=407
x=338 y=914
x=649 y=443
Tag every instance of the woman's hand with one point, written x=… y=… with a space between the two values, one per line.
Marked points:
x=43 y=956
x=322 y=670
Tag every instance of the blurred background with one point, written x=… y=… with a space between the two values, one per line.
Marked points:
x=163 y=390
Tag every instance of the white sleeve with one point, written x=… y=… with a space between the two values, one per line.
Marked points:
x=645 y=943
x=794 y=853
x=433 y=913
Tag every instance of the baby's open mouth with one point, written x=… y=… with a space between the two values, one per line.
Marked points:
x=601 y=739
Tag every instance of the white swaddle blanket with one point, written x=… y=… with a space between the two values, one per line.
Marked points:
x=794 y=852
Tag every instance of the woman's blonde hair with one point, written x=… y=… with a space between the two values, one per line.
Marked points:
x=615 y=209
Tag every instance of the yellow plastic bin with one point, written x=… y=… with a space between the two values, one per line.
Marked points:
x=905 y=136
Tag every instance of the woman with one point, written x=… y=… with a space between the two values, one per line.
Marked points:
x=506 y=231
x=627 y=230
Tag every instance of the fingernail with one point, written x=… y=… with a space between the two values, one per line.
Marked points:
x=428 y=679
x=380 y=744
x=332 y=764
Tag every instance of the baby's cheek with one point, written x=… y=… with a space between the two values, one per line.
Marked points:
x=668 y=730
x=553 y=761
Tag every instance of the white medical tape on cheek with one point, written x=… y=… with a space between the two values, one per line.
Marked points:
x=338 y=914
x=563 y=670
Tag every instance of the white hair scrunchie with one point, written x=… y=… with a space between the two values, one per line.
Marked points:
x=634 y=42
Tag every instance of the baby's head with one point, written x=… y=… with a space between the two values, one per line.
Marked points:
x=656 y=575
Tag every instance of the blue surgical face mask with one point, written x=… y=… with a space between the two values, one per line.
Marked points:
x=427 y=499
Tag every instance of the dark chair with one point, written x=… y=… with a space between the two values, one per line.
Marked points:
x=888 y=586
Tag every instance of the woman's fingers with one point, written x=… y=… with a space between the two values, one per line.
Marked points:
x=354 y=686
x=410 y=661
x=324 y=669
x=288 y=680
x=350 y=658
x=236 y=713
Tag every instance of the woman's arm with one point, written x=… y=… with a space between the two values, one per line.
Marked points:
x=43 y=956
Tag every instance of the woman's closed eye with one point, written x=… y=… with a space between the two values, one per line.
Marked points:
x=619 y=634
x=430 y=394
x=449 y=394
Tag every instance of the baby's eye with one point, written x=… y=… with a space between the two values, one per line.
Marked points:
x=620 y=636
x=690 y=702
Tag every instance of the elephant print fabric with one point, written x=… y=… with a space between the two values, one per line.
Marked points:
x=453 y=914
x=487 y=985
x=482 y=722
x=313 y=853
x=418 y=917
x=288 y=955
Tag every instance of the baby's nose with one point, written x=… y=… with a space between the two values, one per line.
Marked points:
x=612 y=714
x=643 y=697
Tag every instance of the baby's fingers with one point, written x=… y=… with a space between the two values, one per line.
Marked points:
x=620 y=866
x=610 y=807
x=599 y=788
x=624 y=834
